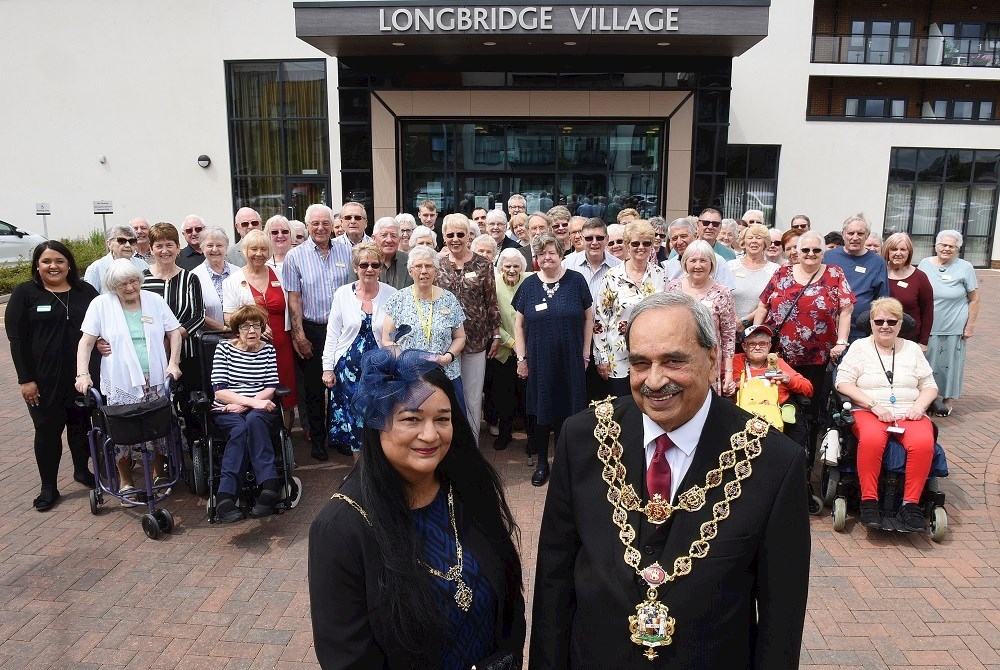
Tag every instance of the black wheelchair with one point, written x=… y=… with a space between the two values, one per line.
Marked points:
x=208 y=447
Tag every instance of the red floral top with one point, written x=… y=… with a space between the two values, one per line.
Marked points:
x=811 y=331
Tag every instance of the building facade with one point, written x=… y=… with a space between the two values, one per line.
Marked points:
x=826 y=107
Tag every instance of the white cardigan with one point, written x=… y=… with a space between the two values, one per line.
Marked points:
x=236 y=293
x=346 y=317
x=213 y=306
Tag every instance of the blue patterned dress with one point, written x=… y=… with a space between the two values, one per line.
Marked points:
x=345 y=428
x=470 y=636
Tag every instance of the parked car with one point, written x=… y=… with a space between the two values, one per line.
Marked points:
x=16 y=245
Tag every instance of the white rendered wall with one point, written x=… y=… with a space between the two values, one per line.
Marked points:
x=828 y=170
x=142 y=83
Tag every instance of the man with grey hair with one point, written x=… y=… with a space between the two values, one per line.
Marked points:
x=355 y=220
x=121 y=243
x=866 y=271
x=191 y=256
x=246 y=219
x=617 y=584
x=538 y=223
x=385 y=235
x=312 y=273
x=682 y=232
x=141 y=247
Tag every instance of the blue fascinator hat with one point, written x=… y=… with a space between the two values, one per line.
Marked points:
x=390 y=377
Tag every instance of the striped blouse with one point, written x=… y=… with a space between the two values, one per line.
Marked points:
x=246 y=373
x=183 y=295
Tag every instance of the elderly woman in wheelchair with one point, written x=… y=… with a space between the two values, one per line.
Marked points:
x=890 y=384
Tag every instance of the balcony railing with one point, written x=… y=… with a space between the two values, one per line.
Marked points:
x=887 y=50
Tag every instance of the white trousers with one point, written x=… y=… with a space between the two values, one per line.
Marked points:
x=473 y=376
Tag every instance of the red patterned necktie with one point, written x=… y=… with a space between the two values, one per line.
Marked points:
x=658 y=472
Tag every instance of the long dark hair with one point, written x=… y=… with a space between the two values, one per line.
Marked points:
x=73 y=276
x=413 y=608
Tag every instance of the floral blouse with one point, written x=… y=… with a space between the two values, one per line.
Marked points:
x=475 y=288
x=811 y=331
x=445 y=315
x=720 y=303
x=618 y=297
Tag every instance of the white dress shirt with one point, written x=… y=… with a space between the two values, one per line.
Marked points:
x=595 y=278
x=685 y=439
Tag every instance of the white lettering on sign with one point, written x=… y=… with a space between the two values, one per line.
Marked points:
x=531 y=18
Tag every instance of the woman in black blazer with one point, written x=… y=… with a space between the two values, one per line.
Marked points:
x=413 y=563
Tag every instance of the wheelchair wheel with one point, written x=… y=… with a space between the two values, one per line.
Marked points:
x=94 y=501
x=831 y=478
x=939 y=524
x=150 y=526
x=815 y=505
x=293 y=492
x=165 y=520
x=199 y=468
x=839 y=514
x=289 y=452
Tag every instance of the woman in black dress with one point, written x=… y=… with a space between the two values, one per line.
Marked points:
x=413 y=564
x=43 y=326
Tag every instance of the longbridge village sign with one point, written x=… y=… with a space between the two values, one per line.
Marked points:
x=528 y=19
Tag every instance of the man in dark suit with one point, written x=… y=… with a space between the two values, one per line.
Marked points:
x=742 y=604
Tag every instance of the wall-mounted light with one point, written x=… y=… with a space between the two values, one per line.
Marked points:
x=204 y=161
x=102 y=159
x=878 y=83
x=490 y=44
x=570 y=44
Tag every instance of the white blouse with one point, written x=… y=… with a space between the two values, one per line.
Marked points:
x=346 y=317
x=236 y=293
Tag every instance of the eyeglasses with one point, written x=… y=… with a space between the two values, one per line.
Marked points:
x=640 y=243
x=752 y=221
x=249 y=224
x=369 y=266
x=757 y=345
x=300 y=237
x=454 y=235
x=247 y=327
x=615 y=243
x=776 y=243
x=353 y=217
x=561 y=224
x=947 y=246
x=194 y=230
x=125 y=240
x=885 y=322
x=814 y=250
x=661 y=236
x=275 y=233
x=712 y=224
x=799 y=226
x=591 y=238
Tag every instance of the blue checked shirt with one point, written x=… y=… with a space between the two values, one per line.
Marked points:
x=306 y=272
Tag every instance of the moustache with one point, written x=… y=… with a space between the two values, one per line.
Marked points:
x=669 y=389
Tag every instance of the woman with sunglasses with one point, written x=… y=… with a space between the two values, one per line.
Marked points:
x=891 y=385
x=299 y=233
x=356 y=319
x=624 y=287
x=616 y=241
x=279 y=231
x=470 y=278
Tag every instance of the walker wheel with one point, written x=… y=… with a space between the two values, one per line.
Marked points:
x=939 y=524
x=164 y=519
x=839 y=514
x=94 y=501
x=150 y=526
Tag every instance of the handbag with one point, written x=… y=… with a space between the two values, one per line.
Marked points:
x=776 y=338
x=139 y=422
x=501 y=660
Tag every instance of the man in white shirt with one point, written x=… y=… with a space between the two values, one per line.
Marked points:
x=355 y=220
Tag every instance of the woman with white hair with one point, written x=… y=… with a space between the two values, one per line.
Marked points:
x=751 y=272
x=752 y=216
x=279 y=231
x=956 y=306
x=729 y=234
x=299 y=233
x=485 y=246
x=507 y=387
x=212 y=272
x=423 y=236
x=406 y=225
x=698 y=262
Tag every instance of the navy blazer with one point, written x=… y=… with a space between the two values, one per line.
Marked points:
x=742 y=606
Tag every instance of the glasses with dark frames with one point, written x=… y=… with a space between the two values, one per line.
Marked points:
x=369 y=266
x=454 y=235
x=885 y=322
x=713 y=224
x=560 y=225
x=247 y=327
x=353 y=217
x=591 y=238
x=661 y=236
x=194 y=230
x=814 y=250
x=275 y=233
x=640 y=243
x=125 y=240
x=617 y=242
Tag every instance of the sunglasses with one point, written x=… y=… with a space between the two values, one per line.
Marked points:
x=354 y=217
x=885 y=322
x=560 y=225
x=275 y=233
x=591 y=238
x=369 y=266
x=661 y=236
x=815 y=250
x=616 y=243
x=642 y=243
x=712 y=224
x=454 y=235
x=775 y=244
x=249 y=224
x=125 y=240
x=800 y=226
x=759 y=223
x=194 y=230
x=300 y=237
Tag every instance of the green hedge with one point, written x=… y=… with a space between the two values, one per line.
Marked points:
x=85 y=250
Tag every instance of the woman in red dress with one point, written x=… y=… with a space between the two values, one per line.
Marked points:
x=257 y=283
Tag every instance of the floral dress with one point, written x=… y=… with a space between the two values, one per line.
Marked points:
x=719 y=302
x=618 y=297
x=345 y=427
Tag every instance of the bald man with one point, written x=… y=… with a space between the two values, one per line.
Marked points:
x=246 y=220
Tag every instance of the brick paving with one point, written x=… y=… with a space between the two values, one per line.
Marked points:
x=83 y=591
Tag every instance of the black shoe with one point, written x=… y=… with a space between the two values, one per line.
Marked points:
x=502 y=441
x=85 y=477
x=228 y=512
x=319 y=453
x=45 y=500
x=540 y=477
x=910 y=519
x=870 y=515
x=265 y=504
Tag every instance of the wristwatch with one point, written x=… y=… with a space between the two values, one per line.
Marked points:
x=521 y=359
x=842 y=343
x=872 y=404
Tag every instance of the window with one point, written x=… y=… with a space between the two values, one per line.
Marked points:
x=279 y=135
x=938 y=189
x=875 y=108
x=751 y=180
x=881 y=41
x=959 y=110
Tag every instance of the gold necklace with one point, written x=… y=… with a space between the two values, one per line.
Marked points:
x=463 y=593
x=652 y=626
x=64 y=304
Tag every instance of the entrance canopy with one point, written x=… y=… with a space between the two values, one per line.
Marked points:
x=563 y=28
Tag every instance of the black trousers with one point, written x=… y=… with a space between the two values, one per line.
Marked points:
x=49 y=424
x=538 y=438
x=816 y=374
x=508 y=391
x=312 y=382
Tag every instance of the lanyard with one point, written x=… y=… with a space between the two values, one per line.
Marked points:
x=890 y=372
x=425 y=323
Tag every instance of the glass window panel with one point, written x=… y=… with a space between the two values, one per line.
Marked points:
x=536 y=189
x=256 y=148
x=763 y=162
x=982 y=209
x=642 y=79
x=736 y=159
x=897 y=208
x=904 y=165
x=987 y=167
x=355 y=105
x=851 y=107
x=305 y=193
x=930 y=165
x=925 y=209
x=874 y=108
x=305 y=88
x=480 y=146
x=531 y=146
x=923 y=246
x=639 y=191
x=306 y=143
x=976 y=251
x=355 y=146
x=254 y=91
x=635 y=146
x=959 y=168
x=436 y=186
x=986 y=111
x=953 y=204
x=348 y=77
x=963 y=109
x=428 y=145
x=584 y=146
x=486 y=192
x=704 y=150
x=261 y=193
x=898 y=109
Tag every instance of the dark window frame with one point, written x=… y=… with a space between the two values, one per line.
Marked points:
x=736 y=205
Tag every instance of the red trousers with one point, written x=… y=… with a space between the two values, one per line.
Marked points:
x=918 y=441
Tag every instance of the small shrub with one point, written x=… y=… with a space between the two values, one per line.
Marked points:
x=86 y=249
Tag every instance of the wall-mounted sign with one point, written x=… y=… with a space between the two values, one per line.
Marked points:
x=526 y=19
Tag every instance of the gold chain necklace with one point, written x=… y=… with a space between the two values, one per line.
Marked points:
x=64 y=304
x=463 y=593
x=652 y=626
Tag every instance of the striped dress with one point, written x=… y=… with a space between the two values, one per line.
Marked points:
x=246 y=373
x=183 y=295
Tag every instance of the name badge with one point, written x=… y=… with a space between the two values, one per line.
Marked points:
x=946 y=277
x=471 y=275
x=901 y=284
x=740 y=274
x=146 y=319
x=340 y=265
x=541 y=307
x=707 y=303
x=862 y=270
x=44 y=308
x=445 y=310
x=276 y=284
